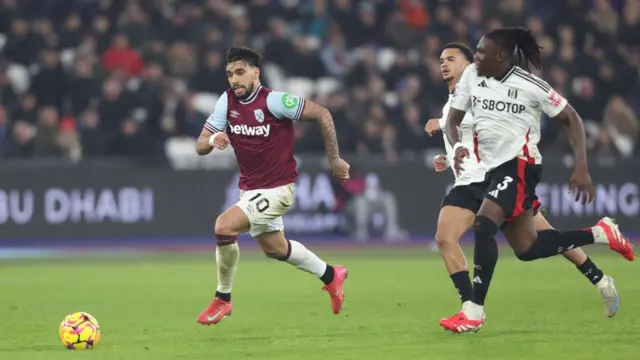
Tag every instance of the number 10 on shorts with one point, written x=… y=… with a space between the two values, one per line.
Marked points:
x=261 y=203
x=501 y=186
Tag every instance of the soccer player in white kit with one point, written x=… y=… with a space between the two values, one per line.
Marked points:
x=506 y=102
x=462 y=202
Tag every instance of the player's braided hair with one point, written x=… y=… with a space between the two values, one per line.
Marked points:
x=236 y=53
x=521 y=43
x=464 y=49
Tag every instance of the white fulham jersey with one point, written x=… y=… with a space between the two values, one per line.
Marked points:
x=506 y=113
x=473 y=171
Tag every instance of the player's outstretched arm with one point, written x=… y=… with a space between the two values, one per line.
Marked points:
x=581 y=184
x=319 y=114
x=575 y=128
x=557 y=107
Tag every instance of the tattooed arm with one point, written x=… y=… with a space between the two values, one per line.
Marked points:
x=295 y=108
x=313 y=112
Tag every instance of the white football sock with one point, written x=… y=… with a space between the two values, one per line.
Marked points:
x=599 y=236
x=227 y=257
x=603 y=282
x=305 y=260
x=473 y=310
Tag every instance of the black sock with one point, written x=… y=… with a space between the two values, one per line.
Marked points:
x=463 y=285
x=485 y=257
x=223 y=296
x=553 y=242
x=591 y=271
x=327 y=277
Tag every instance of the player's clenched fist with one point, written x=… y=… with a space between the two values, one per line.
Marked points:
x=440 y=163
x=432 y=127
x=461 y=153
x=340 y=169
x=219 y=141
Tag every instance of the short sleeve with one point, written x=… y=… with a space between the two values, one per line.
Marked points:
x=461 y=99
x=217 y=121
x=551 y=103
x=285 y=106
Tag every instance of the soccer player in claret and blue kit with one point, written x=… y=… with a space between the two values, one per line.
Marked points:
x=258 y=123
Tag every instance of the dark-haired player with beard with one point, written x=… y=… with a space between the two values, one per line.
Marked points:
x=506 y=102
x=463 y=201
x=258 y=123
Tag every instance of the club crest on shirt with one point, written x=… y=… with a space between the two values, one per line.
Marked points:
x=259 y=115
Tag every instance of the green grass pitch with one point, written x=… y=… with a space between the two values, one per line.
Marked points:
x=147 y=308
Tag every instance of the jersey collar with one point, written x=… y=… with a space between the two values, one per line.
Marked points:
x=504 y=76
x=253 y=96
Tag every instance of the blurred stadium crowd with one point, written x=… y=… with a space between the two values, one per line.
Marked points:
x=96 y=78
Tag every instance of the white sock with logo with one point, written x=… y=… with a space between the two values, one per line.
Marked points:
x=227 y=257
x=305 y=260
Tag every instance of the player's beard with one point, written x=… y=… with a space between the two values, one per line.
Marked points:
x=248 y=91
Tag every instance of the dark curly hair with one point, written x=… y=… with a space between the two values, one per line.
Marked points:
x=236 y=53
x=521 y=43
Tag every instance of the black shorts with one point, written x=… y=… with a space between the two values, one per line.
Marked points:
x=466 y=196
x=513 y=186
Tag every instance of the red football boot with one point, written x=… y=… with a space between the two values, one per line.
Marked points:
x=335 y=288
x=215 y=312
x=617 y=241
x=460 y=323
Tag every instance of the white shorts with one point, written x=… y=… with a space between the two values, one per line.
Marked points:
x=265 y=208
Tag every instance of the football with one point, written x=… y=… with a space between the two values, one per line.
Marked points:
x=79 y=331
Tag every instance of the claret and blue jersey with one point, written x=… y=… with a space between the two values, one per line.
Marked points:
x=260 y=129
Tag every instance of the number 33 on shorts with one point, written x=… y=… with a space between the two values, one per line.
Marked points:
x=501 y=186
